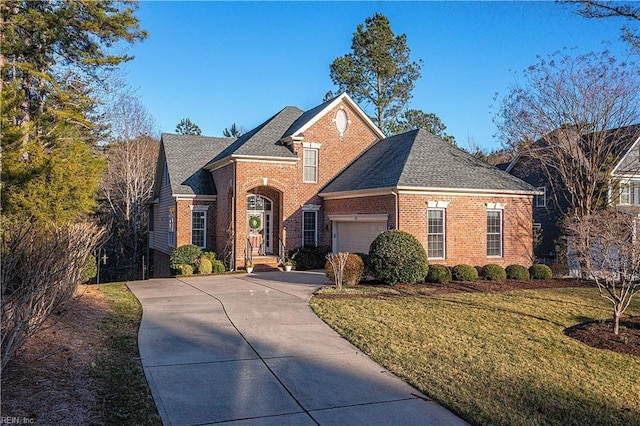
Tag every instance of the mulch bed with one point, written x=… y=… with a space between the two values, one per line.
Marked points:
x=597 y=334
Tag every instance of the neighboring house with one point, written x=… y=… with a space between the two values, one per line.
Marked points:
x=328 y=176
x=548 y=207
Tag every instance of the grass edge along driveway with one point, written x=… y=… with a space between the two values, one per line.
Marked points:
x=496 y=358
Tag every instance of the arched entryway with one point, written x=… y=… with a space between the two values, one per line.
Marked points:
x=260 y=224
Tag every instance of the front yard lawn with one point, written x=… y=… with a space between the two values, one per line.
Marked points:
x=495 y=358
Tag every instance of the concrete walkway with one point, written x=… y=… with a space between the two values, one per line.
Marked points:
x=247 y=349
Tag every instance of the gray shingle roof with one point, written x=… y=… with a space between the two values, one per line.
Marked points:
x=305 y=118
x=419 y=159
x=264 y=140
x=186 y=156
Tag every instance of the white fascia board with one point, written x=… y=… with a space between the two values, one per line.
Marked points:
x=633 y=148
x=344 y=97
x=187 y=197
x=260 y=159
x=356 y=194
x=358 y=217
x=466 y=191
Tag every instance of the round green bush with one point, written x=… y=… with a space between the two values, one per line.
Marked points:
x=218 y=267
x=540 y=272
x=184 y=269
x=205 y=266
x=464 y=273
x=185 y=255
x=398 y=257
x=209 y=255
x=353 y=270
x=438 y=274
x=517 y=272
x=493 y=272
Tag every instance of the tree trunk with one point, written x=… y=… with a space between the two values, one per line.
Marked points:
x=616 y=319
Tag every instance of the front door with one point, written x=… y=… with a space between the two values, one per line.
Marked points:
x=260 y=224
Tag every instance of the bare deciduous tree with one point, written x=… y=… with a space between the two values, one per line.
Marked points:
x=572 y=117
x=337 y=262
x=41 y=270
x=608 y=248
x=128 y=184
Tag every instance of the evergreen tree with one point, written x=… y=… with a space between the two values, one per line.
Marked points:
x=233 y=132
x=378 y=71
x=187 y=127
x=51 y=58
x=416 y=119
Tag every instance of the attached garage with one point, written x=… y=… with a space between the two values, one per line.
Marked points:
x=355 y=233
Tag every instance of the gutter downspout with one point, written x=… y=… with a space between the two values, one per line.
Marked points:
x=233 y=217
x=397 y=212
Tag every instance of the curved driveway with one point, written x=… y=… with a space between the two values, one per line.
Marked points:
x=247 y=349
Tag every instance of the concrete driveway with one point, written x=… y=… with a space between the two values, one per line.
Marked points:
x=247 y=349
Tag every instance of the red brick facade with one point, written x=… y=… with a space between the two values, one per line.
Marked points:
x=281 y=181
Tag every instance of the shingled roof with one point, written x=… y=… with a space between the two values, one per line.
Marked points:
x=418 y=159
x=186 y=156
x=264 y=140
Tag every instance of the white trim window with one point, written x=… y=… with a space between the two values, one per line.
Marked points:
x=629 y=193
x=541 y=200
x=494 y=233
x=310 y=165
x=436 y=233
x=199 y=227
x=309 y=228
x=171 y=227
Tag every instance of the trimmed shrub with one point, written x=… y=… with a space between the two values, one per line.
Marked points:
x=493 y=272
x=209 y=255
x=184 y=269
x=517 y=272
x=438 y=274
x=353 y=270
x=464 y=273
x=540 y=272
x=205 y=266
x=185 y=255
x=398 y=257
x=218 y=267
x=365 y=261
x=306 y=258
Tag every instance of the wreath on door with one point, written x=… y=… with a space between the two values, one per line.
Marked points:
x=255 y=222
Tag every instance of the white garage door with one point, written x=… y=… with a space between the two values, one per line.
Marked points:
x=356 y=237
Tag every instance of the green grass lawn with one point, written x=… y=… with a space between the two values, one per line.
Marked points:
x=124 y=394
x=496 y=358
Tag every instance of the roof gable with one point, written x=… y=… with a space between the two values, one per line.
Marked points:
x=185 y=157
x=417 y=159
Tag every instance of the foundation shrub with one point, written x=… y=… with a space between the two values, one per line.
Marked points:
x=217 y=267
x=398 y=257
x=540 y=272
x=438 y=274
x=464 y=272
x=306 y=258
x=187 y=254
x=493 y=272
x=184 y=269
x=353 y=270
x=517 y=272
x=204 y=266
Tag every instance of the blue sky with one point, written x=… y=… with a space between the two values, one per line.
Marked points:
x=223 y=62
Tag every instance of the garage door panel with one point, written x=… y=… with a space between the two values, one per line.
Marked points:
x=356 y=237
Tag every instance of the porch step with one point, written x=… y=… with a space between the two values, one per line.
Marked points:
x=265 y=263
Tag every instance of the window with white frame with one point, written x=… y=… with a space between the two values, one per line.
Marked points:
x=625 y=193
x=309 y=228
x=494 y=233
x=171 y=228
x=199 y=227
x=541 y=200
x=310 y=165
x=435 y=233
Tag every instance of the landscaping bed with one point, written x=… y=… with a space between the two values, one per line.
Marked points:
x=497 y=353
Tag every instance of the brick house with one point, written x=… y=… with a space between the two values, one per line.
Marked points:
x=329 y=176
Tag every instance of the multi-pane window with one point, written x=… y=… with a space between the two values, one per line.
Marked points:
x=198 y=228
x=541 y=200
x=309 y=228
x=494 y=233
x=171 y=228
x=310 y=164
x=435 y=234
x=629 y=193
